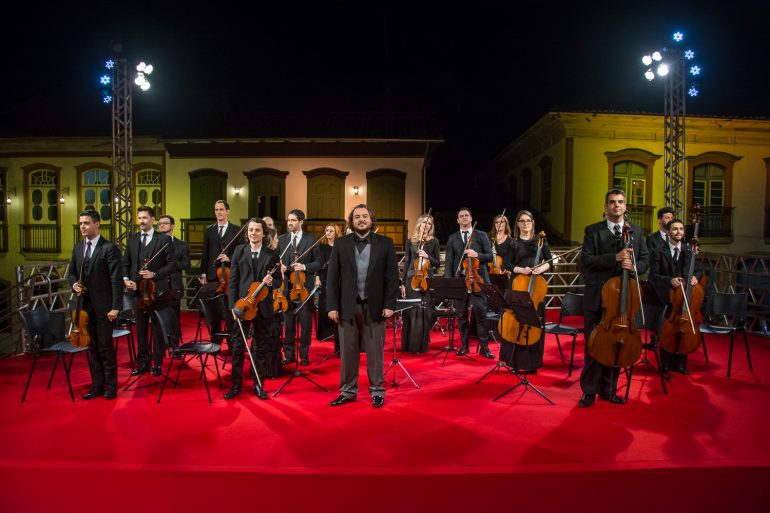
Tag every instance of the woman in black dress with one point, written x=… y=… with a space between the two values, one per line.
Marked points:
x=418 y=321
x=525 y=241
x=502 y=243
x=325 y=327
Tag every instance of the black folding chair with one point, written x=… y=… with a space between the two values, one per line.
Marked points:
x=729 y=309
x=219 y=322
x=571 y=306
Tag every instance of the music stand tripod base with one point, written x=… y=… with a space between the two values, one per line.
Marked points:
x=450 y=289
x=395 y=361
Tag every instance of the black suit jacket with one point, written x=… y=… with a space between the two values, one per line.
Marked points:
x=455 y=248
x=212 y=247
x=382 y=283
x=103 y=277
x=312 y=260
x=181 y=251
x=163 y=265
x=242 y=276
x=597 y=260
x=655 y=241
x=663 y=270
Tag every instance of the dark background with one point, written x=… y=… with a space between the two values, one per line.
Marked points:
x=486 y=71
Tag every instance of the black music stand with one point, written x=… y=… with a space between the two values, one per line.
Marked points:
x=501 y=282
x=520 y=303
x=297 y=372
x=163 y=300
x=395 y=361
x=451 y=289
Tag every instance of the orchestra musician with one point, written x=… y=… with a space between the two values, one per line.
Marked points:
x=481 y=249
x=525 y=244
x=102 y=299
x=275 y=347
x=603 y=257
x=418 y=320
x=181 y=251
x=658 y=239
x=150 y=247
x=308 y=265
x=503 y=242
x=668 y=267
x=325 y=327
x=250 y=263
x=362 y=288
x=217 y=237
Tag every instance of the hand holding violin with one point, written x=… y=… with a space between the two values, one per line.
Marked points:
x=130 y=284
x=112 y=314
x=223 y=258
x=298 y=267
x=470 y=253
x=78 y=288
x=147 y=274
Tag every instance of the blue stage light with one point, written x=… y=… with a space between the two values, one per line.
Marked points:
x=695 y=71
x=689 y=54
x=104 y=79
x=678 y=37
x=107 y=98
x=109 y=64
x=693 y=91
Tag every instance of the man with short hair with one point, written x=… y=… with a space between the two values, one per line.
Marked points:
x=660 y=237
x=181 y=251
x=217 y=237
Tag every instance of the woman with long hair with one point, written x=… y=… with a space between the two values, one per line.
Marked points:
x=325 y=327
x=418 y=321
x=502 y=242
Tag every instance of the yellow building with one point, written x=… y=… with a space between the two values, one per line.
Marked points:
x=563 y=165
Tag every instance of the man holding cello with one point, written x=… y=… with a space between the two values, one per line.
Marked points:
x=603 y=257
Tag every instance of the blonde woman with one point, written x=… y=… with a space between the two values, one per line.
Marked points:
x=500 y=235
x=415 y=334
x=325 y=327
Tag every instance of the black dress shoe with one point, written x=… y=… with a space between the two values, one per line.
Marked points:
x=681 y=369
x=157 y=371
x=342 y=399
x=234 y=391
x=110 y=394
x=259 y=392
x=287 y=361
x=587 y=400
x=142 y=369
x=305 y=361
x=462 y=351
x=92 y=394
x=378 y=401
x=615 y=399
x=487 y=354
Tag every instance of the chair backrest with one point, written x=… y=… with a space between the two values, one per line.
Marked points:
x=44 y=328
x=731 y=305
x=571 y=305
x=215 y=312
x=167 y=322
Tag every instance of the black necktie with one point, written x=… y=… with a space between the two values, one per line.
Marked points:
x=221 y=231
x=294 y=243
x=254 y=258
x=465 y=238
x=144 y=240
x=88 y=251
x=617 y=231
x=676 y=254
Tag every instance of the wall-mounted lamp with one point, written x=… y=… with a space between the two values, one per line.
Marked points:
x=237 y=191
x=355 y=190
x=11 y=192
x=65 y=191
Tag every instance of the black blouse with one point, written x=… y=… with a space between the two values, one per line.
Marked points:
x=525 y=251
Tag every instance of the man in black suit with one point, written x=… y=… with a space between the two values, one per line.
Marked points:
x=217 y=237
x=181 y=251
x=250 y=263
x=310 y=263
x=658 y=239
x=362 y=286
x=94 y=274
x=669 y=266
x=152 y=247
x=479 y=248
x=603 y=257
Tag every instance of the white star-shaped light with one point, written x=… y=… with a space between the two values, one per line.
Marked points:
x=109 y=64
x=689 y=54
x=104 y=79
x=693 y=91
x=695 y=70
x=678 y=36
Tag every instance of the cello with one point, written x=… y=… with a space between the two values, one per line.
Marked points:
x=615 y=341
x=536 y=286
x=680 y=333
x=421 y=264
x=79 y=336
x=223 y=271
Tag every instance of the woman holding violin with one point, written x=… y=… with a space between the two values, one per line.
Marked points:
x=670 y=266
x=603 y=257
x=325 y=327
x=422 y=259
x=527 y=245
x=250 y=297
x=468 y=252
x=502 y=246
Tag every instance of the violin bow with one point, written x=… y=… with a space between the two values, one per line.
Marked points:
x=248 y=350
x=144 y=267
x=633 y=262
x=237 y=235
x=303 y=254
x=687 y=307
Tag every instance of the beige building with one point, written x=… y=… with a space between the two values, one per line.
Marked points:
x=563 y=164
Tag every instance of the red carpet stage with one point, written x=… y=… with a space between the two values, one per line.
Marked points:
x=703 y=447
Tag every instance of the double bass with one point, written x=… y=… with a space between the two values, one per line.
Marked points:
x=421 y=265
x=79 y=336
x=680 y=333
x=615 y=341
x=536 y=286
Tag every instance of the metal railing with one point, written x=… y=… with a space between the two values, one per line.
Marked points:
x=40 y=238
x=641 y=215
x=716 y=222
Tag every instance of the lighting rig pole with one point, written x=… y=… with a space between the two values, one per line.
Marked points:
x=122 y=139
x=671 y=64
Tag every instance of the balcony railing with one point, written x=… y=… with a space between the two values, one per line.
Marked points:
x=716 y=222
x=105 y=231
x=40 y=238
x=641 y=215
x=3 y=238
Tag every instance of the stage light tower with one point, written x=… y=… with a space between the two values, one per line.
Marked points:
x=122 y=138
x=671 y=64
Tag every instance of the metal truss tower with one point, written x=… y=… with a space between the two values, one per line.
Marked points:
x=674 y=116
x=122 y=154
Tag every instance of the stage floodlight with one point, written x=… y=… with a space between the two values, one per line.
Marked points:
x=649 y=75
x=657 y=57
x=663 y=69
x=695 y=71
x=646 y=60
x=145 y=86
x=140 y=67
x=148 y=69
x=693 y=91
x=678 y=37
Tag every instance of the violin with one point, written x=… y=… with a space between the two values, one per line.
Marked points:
x=496 y=265
x=536 y=287
x=280 y=303
x=680 y=333
x=471 y=267
x=258 y=291
x=79 y=336
x=146 y=287
x=421 y=266
x=615 y=341
x=223 y=271
x=298 y=292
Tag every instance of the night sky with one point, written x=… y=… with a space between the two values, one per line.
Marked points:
x=487 y=72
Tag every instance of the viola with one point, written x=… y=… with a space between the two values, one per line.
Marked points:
x=79 y=336
x=421 y=266
x=496 y=265
x=679 y=333
x=146 y=287
x=536 y=287
x=471 y=267
x=258 y=291
x=615 y=341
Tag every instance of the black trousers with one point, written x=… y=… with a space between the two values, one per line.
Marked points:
x=142 y=336
x=305 y=329
x=479 y=304
x=260 y=347
x=595 y=377
x=104 y=360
